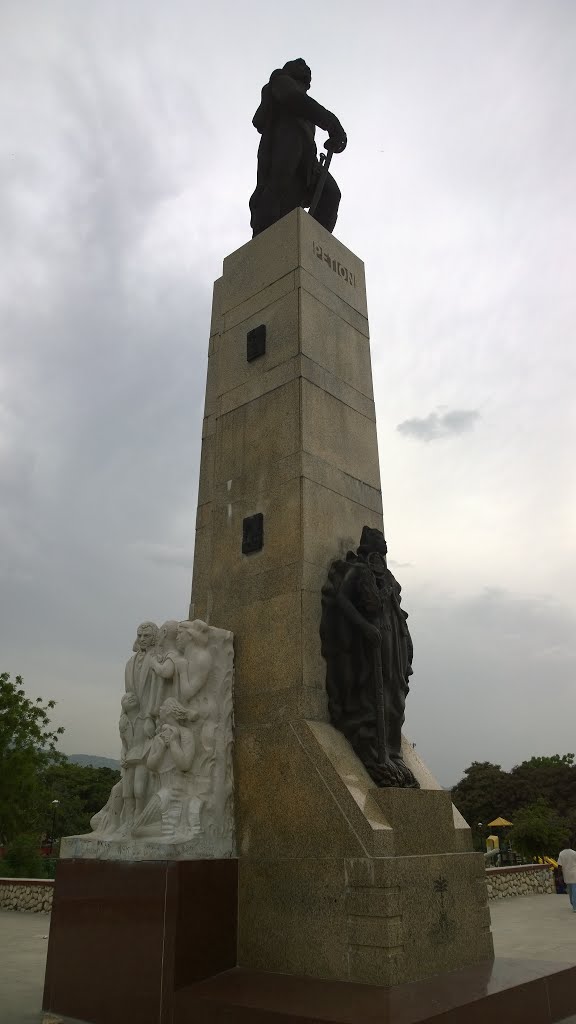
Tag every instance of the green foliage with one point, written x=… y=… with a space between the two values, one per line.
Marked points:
x=538 y=831
x=482 y=793
x=486 y=792
x=551 y=761
x=49 y=866
x=22 y=859
x=552 y=779
x=27 y=748
x=80 y=790
x=33 y=774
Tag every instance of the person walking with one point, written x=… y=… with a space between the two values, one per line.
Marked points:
x=567 y=862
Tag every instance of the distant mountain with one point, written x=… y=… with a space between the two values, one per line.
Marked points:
x=94 y=761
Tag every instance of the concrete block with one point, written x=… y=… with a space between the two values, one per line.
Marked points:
x=260 y=263
x=307 y=282
x=262 y=300
x=252 y=437
x=281 y=318
x=326 y=381
x=331 y=263
x=339 y=434
x=331 y=523
x=333 y=343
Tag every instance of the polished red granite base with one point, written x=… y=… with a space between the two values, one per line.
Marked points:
x=515 y=991
x=155 y=943
x=124 y=937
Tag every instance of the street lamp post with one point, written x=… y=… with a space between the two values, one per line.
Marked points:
x=54 y=809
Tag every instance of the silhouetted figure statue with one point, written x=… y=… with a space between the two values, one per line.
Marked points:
x=288 y=168
x=368 y=652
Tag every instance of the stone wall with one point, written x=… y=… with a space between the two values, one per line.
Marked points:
x=521 y=880
x=34 y=894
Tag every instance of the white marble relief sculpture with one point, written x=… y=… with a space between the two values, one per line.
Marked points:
x=184 y=660
x=137 y=722
x=175 y=797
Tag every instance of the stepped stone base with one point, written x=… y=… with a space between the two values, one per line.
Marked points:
x=516 y=991
x=94 y=847
x=368 y=885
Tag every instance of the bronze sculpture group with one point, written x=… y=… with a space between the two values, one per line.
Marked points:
x=368 y=651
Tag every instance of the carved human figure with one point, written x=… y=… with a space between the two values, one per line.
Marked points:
x=127 y=724
x=188 y=662
x=163 y=661
x=288 y=168
x=137 y=725
x=176 y=735
x=170 y=758
x=368 y=652
x=167 y=638
x=109 y=819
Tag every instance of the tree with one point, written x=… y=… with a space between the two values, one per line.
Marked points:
x=27 y=748
x=483 y=793
x=22 y=859
x=80 y=790
x=486 y=792
x=552 y=779
x=550 y=761
x=538 y=831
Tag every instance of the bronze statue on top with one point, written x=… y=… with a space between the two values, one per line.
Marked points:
x=368 y=652
x=289 y=172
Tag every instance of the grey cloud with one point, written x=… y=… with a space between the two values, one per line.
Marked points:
x=438 y=426
x=101 y=403
x=126 y=166
x=493 y=675
x=164 y=554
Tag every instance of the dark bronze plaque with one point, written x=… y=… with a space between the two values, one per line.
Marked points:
x=256 y=342
x=253 y=534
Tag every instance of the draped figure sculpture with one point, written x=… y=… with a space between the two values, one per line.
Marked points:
x=137 y=724
x=368 y=652
x=170 y=759
x=176 y=736
x=183 y=734
x=185 y=662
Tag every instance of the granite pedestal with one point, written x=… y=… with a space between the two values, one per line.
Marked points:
x=515 y=991
x=125 y=937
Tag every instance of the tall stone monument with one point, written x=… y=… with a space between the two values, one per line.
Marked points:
x=338 y=877
x=273 y=837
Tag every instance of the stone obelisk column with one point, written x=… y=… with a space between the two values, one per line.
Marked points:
x=336 y=878
x=289 y=436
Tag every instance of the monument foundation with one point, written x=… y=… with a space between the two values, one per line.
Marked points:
x=125 y=937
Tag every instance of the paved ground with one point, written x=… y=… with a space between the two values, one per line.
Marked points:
x=524 y=927
x=23 y=943
x=534 y=928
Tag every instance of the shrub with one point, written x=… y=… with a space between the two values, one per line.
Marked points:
x=23 y=859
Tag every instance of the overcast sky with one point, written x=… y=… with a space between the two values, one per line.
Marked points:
x=127 y=157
